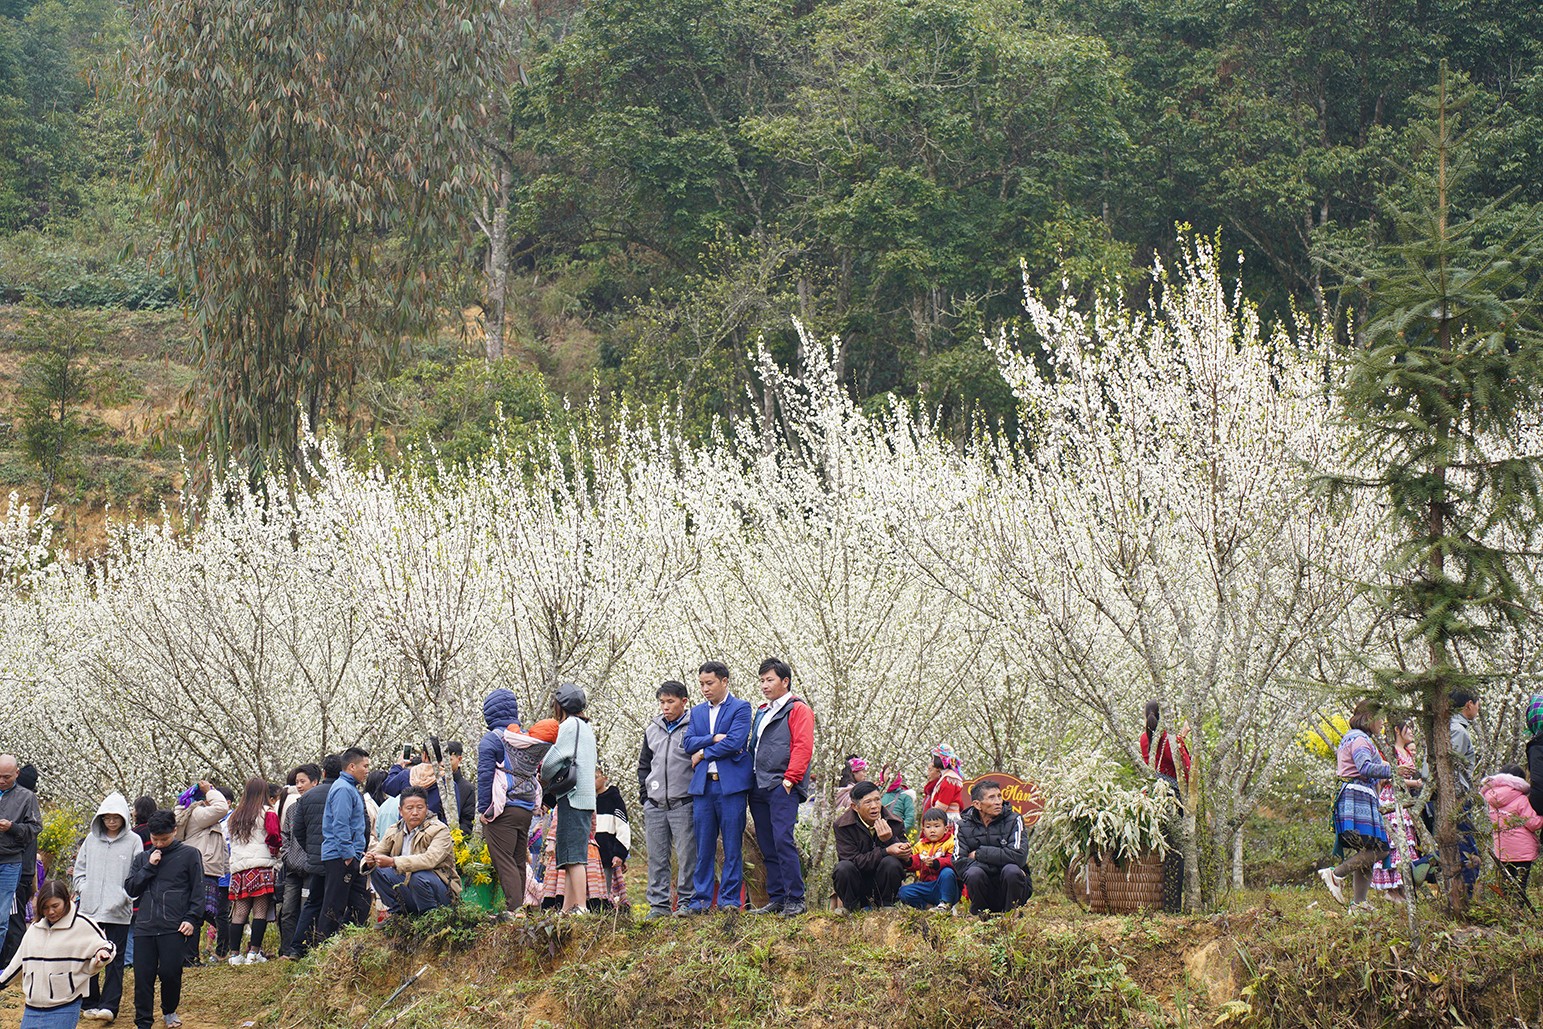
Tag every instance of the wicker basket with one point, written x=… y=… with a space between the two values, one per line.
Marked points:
x=1106 y=886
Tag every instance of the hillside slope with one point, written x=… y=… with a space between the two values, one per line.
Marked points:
x=1284 y=960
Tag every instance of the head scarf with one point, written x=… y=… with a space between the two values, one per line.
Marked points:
x=896 y=782
x=1535 y=714
x=857 y=764
x=950 y=759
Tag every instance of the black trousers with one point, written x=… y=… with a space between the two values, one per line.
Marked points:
x=157 y=957
x=304 y=936
x=858 y=887
x=110 y=979
x=996 y=889
x=288 y=896
x=345 y=893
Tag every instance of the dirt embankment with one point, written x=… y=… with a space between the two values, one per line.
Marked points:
x=1285 y=960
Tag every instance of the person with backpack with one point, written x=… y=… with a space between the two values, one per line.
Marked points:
x=664 y=789
x=101 y=866
x=509 y=789
x=568 y=774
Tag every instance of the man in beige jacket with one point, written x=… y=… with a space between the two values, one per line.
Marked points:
x=413 y=866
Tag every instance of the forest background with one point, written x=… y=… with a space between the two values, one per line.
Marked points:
x=670 y=181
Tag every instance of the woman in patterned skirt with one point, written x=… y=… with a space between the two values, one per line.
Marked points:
x=1389 y=880
x=254 y=863
x=1358 y=824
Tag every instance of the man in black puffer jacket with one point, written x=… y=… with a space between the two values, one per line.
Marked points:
x=991 y=852
x=308 y=815
x=167 y=881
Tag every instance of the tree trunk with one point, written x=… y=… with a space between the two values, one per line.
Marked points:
x=498 y=268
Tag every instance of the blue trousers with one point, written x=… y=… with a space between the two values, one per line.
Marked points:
x=716 y=815
x=10 y=878
x=776 y=812
x=942 y=890
x=425 y=891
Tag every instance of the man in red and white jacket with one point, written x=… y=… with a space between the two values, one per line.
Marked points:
x=782 y=739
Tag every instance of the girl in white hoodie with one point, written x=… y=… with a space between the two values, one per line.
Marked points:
x=101 y=866
x=254 y=863
x=60 y=953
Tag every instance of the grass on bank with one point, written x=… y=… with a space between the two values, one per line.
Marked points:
x=1281 y=958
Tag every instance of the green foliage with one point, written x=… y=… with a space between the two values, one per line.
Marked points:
x=447 y=930
x=1093 y=811
x=312 y=185
x=51 y=121
x=55 y=381
x=63 y=828
x=460 y=410
x=1442 y=391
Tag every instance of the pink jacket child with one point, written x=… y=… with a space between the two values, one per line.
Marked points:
x=1516 y=824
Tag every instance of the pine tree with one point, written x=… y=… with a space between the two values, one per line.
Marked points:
x=1438 y=386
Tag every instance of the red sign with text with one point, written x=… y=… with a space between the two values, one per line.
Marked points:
x=1022 y=797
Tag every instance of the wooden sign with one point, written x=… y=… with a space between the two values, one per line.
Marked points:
x=1022 y=797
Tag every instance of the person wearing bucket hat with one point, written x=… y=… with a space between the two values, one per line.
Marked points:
x=1534 y=720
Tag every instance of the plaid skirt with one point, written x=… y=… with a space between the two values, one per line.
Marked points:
x=1356 y=810
x=252 y=883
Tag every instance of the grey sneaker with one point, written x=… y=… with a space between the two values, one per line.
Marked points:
x=173 y=1021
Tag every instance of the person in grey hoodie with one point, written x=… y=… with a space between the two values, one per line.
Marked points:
x=664 y=787
x=101 y=866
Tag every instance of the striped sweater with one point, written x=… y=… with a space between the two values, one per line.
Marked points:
x=56 y=960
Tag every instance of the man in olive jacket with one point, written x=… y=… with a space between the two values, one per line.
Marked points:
x=413 y=865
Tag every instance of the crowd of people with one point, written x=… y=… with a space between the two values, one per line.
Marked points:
x=1375 y=831
x=341 y=842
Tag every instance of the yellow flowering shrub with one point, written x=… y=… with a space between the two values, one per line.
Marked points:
x=1321 y=740
x=471 y=859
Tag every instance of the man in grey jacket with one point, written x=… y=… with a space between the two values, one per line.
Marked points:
x=20 y=822
x=664 y=787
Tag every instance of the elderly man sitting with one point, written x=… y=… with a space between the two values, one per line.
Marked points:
x=414 y=864
x=871 y=851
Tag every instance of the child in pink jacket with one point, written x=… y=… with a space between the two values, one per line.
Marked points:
x=1516 y=826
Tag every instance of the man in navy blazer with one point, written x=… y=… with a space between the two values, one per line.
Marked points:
x=722 y=774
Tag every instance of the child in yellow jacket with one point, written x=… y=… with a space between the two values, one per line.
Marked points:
x=932 y=859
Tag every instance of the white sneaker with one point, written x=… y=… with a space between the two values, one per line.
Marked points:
x=940 y=907
x=96 y=1015
x=1335 y=884
x=255 y=957
x=237 y=960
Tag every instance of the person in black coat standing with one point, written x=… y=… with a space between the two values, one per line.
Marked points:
x=871 y=851
x=167 y=881
x=308 y=815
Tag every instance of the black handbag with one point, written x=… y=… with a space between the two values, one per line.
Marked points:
x=559 y=780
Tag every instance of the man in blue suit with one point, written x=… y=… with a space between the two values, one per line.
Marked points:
x=722 y=773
